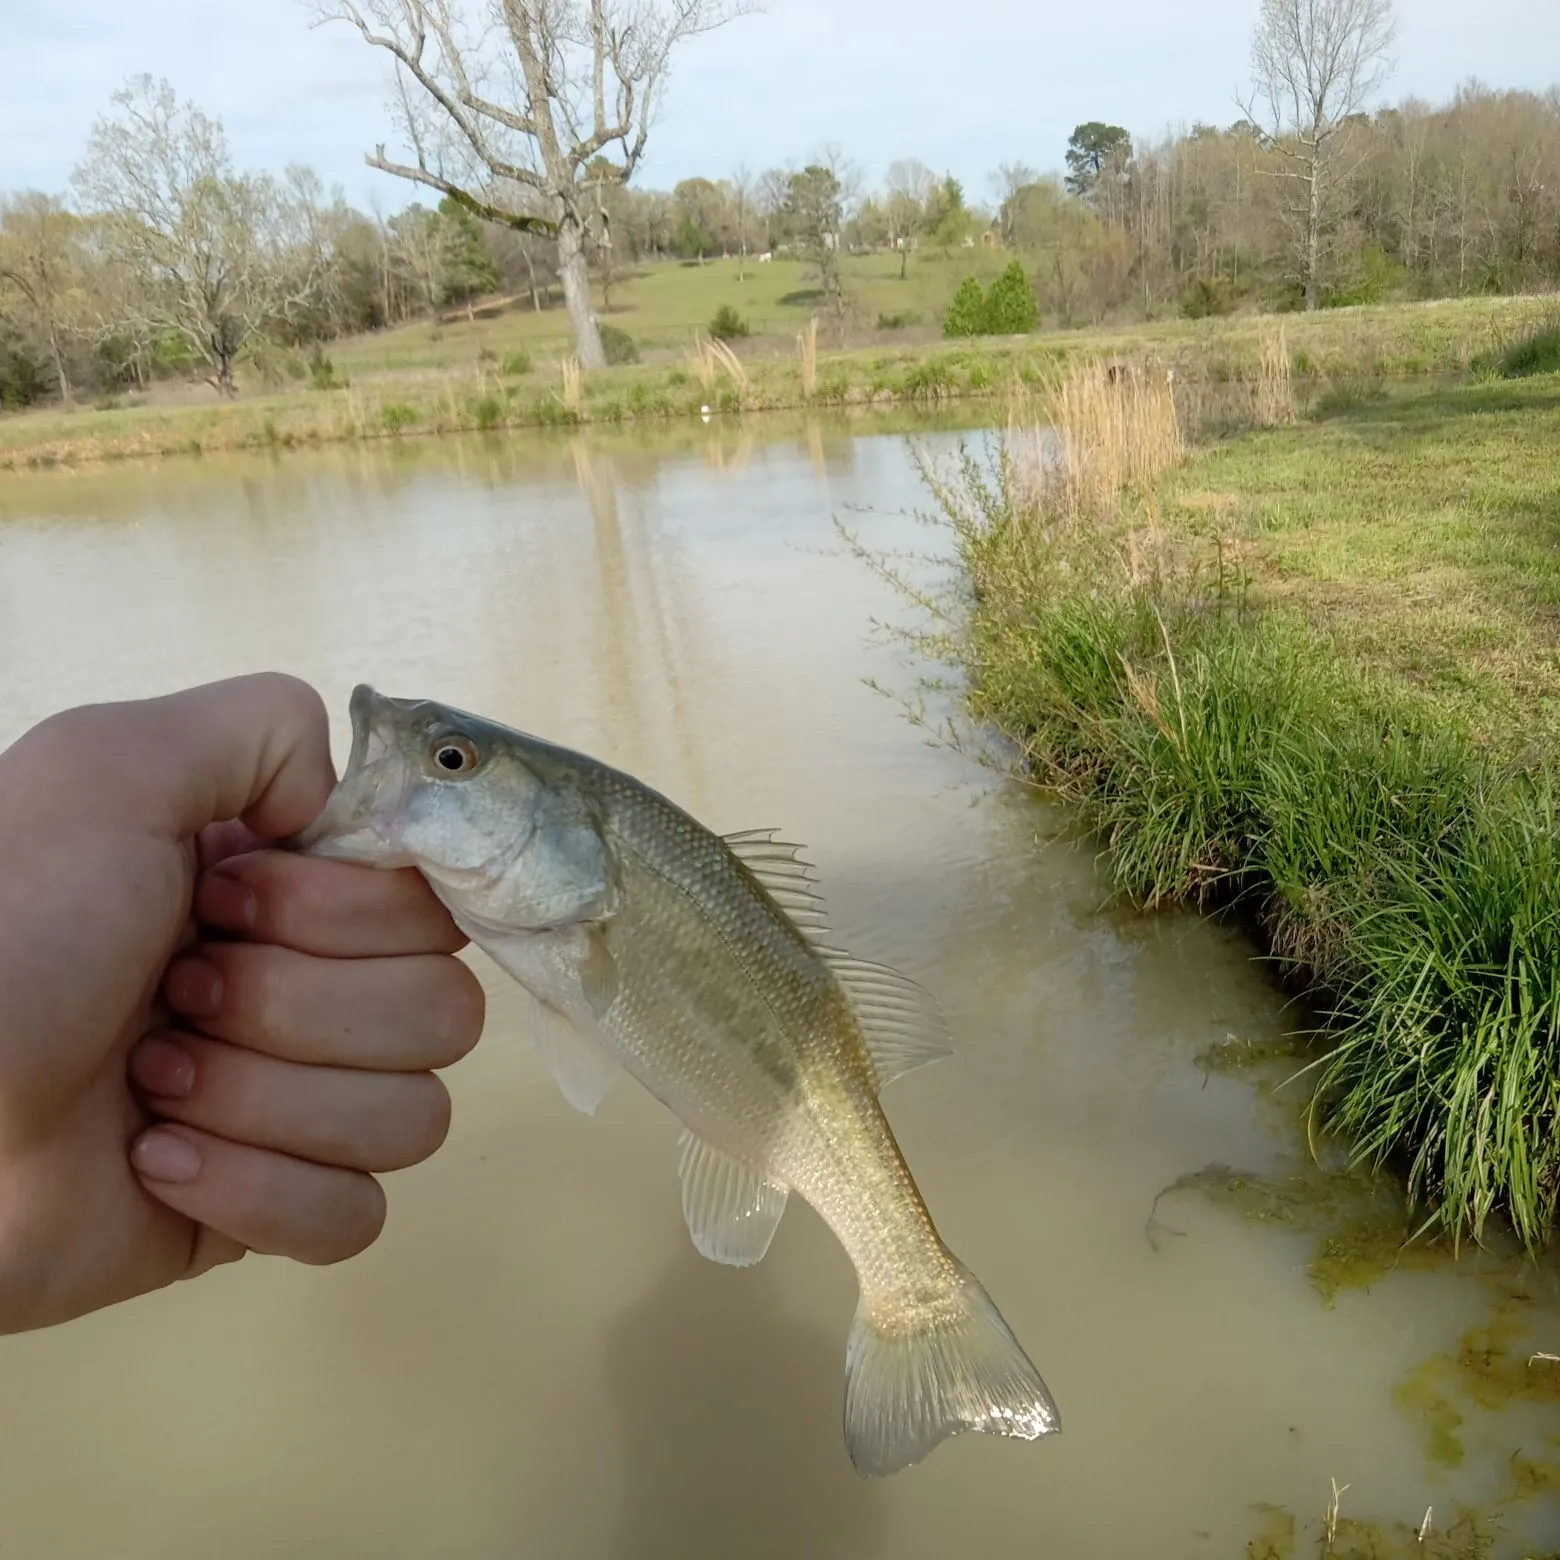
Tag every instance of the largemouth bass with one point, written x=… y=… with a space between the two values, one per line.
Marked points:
x=700 y=965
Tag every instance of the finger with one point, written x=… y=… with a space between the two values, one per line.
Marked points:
x=393 y=1015
x=332 y=1115
x=255 y=748
x=261 y=1200
x=212 y=1250
x=217 y=841
x=324 y=907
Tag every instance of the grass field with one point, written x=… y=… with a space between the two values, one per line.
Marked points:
x=504 y=367
x=1313 y=673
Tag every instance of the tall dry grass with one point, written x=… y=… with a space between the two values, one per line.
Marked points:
x=1088 y=434
x=807 y=342
x=572 y=393
x=709 y=359
x=1273 y=400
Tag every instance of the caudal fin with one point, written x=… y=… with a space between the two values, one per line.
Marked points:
x=906 y=1392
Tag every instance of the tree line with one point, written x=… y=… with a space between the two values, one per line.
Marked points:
x=166 y=259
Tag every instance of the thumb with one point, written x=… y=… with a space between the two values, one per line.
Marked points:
x=254 y=748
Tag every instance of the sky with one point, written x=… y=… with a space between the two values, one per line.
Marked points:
x=964 y=88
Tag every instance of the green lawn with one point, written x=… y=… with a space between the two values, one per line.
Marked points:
x=1422 y=532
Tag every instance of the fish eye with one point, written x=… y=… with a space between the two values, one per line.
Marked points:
x=454 y=755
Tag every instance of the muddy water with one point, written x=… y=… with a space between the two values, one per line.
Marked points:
x=533 y=1360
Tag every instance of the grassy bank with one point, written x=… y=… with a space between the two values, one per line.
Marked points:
x=474 y=375
x=1310 y=674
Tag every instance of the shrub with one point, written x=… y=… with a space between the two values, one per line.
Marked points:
x=967 y=313
x=516 y=364
x=322 y=373
x=727 y=324
x=1011 y=309
x=397 y=415
x=618 y=345
x=1536 y=353
x=1208 y=296
x=488 y=411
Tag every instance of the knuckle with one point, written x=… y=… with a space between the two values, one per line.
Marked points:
x=258 y=997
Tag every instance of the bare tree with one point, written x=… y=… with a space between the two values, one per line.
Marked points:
x=38 y=260
x=511 y=107
x=1315 y=64
x=744 y=189
x=214 y=256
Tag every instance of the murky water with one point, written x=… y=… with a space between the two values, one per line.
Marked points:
x=533 y=1360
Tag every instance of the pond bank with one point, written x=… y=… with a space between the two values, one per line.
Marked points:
x=1313 y=674
x=1339 y=349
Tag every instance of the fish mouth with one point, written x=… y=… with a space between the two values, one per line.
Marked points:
x=350 y=826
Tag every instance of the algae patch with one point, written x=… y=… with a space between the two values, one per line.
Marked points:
x=1357 y=1219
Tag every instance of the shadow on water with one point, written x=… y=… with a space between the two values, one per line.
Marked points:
x=706 y=1342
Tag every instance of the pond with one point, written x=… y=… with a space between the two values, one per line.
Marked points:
x=533 y=1359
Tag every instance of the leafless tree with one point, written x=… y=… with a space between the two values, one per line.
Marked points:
x=744 y=193
x=211 y=256
x=38 y=261
x=511 y=107
x=1315 y=64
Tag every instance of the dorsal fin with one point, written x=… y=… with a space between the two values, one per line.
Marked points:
x=782 y=874
x=900 y=1021
x=903 y=1026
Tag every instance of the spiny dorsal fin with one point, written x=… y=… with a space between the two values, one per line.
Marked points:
x=782 y=874
x=902 y=1024
x=731 y=1210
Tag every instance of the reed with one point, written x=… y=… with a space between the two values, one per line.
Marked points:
x=573 y=384
x=807 y=343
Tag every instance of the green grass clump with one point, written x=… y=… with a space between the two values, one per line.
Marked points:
x=516 y=365
x=397 y=415
x=1537 y=353
x=1407 y=873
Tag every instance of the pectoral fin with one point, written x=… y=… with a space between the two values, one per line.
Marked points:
x=584 y=1072
x=732 y=1211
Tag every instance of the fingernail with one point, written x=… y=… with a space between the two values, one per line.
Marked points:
x=163 y=1067
x=194 y=986
x=160 y=1155
x=223 y=902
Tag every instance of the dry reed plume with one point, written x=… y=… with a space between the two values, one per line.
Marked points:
x=709 y=358
x=1089 y=434
x=808 y=342
x=573 y=383
x=1273 y=397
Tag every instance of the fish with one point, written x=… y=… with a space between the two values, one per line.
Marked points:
x=701 y=965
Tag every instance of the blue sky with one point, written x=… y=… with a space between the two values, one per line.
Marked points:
x=963 y=87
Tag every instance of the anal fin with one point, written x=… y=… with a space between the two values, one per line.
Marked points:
x=732 y=1211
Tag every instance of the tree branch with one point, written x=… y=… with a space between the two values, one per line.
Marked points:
x=478 y=208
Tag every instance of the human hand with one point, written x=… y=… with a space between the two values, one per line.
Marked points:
x=171 y=1096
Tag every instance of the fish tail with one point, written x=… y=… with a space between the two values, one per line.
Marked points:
x=908 y=1389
